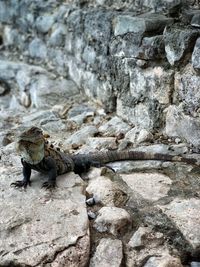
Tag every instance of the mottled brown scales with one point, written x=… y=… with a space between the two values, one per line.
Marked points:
x=38 y=154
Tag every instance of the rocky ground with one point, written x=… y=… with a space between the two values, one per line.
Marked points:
x=145 y=214
x=138 y=61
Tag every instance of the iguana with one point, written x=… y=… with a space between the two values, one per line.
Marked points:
x=37 y=154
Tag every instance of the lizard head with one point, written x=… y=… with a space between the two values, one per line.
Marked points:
x=30 y=145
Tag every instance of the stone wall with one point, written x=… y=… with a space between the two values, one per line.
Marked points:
x=138 y=58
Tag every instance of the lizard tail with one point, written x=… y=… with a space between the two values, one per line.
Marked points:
x=111 y=156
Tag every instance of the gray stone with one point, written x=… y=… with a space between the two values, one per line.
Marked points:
x=112 y=220
x=108 y=253
x=149 y=22
x=89 y=55
x=138 y=135
x=7 y=13
x=44 y=23
x=184 y=126
x=106 y=192
x=143 y=115
x=98 y=90
x=157 y=187
x=23 y=78
x=138 y=238
x=57 y=61
x=196 y=55
x=153 y=47
x=134 y=46
x=114 y=127
x=37 y=49
x=46 y=91
x=9 y=70
x=10 y=36
x=127 y=46
x=79 y=110
x=144 y=236
x=58 y=34
x=102 y=143
x=23 y=215
x=178 y=41
x=97 y=25
x=184 y=213
x=47 y=120
x=74 y=256
x=195 y=22
x=188 y=14
x=80 y=137
x=143 y=99
x=152 y=82
x=163 y=261
x=187 y=89
x=91 y=215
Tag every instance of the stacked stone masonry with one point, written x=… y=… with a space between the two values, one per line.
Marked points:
x=138 y=58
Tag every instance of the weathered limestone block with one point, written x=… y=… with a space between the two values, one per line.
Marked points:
x=196 y=55
x=43 y=225
x=195 y=22
x=38 y=49
x=145 y=23
x=127 y=45
x=80 y=137
x=137 y=135
x=144 y=236
x=153 y=47
x=151 y=186
x=10 y=36
x=46 y=91
x=144 y=115
x=148 y=90
x=44 y=23
x=106 y=192
x=114 y=127
x=7 y=13
x=185 y=214
x=58 y=35
x=163 y=261
x=108 y=253
x=179 y=41
x=187 y=88
x=112 y=220
x=184 y=126
x=134 y=46
x=154 y=83
x=102 y=143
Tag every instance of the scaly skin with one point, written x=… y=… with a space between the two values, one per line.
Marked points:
x=37 y=154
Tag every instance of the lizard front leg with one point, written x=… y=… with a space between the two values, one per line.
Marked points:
x=26 y=176
x=50 y=166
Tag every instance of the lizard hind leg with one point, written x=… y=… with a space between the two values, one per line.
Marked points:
x=49 y=185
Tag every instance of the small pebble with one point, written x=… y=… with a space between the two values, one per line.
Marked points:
x=91 y=215
x=90 y=201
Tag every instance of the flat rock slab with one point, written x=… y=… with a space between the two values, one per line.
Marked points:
x=108 y=253
x=39 y=227
x=185 y=214
x=151 y=186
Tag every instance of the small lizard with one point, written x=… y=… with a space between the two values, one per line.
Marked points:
x=37 y=154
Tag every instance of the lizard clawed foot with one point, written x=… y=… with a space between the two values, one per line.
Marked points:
x=49 y=185
x=21 y=183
